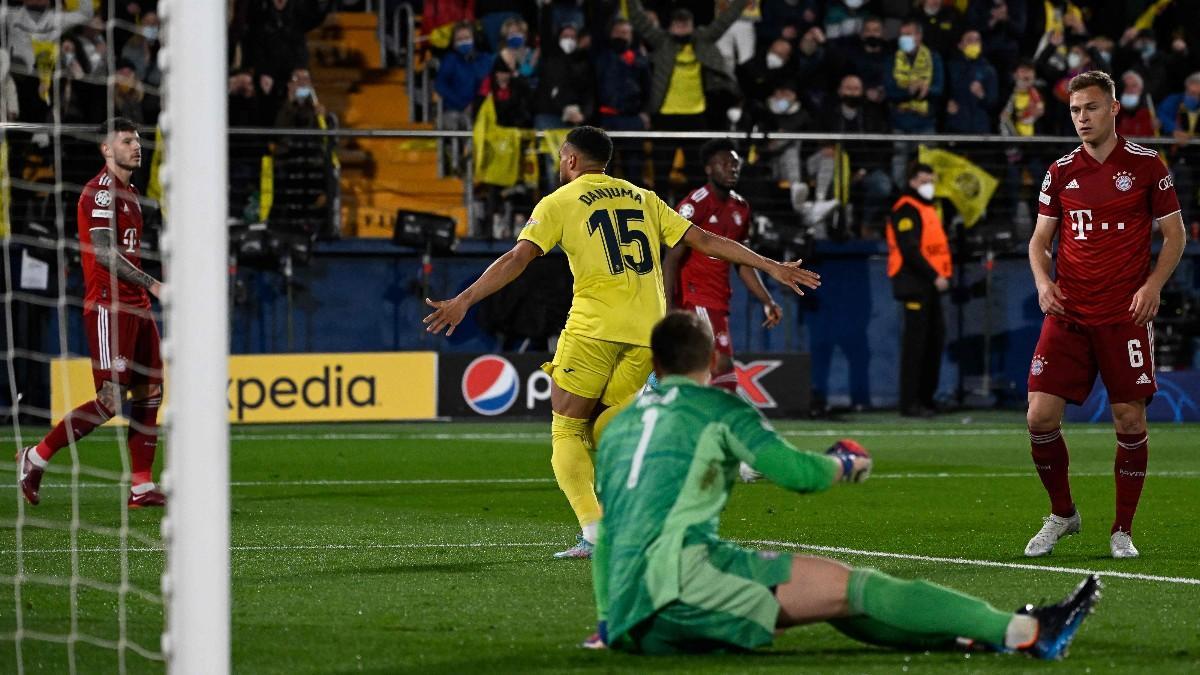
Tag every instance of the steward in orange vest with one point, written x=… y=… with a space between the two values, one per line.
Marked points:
x=919 y=266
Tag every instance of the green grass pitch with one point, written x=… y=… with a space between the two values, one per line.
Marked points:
x=426 y=548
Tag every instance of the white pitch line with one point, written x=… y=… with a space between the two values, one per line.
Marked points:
x=534 y=481
x=978 y=563
x=297 y=547
x=760 y=542
x=542 y=435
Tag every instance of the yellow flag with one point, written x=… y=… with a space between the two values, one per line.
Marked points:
x=497 y=149
x=552 y=141
x=961 y=181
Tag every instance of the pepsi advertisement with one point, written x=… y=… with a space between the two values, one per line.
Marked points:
x=514 y=385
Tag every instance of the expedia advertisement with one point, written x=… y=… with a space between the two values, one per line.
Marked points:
x=513 y=385
x=266 y=388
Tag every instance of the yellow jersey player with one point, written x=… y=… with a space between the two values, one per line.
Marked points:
x=613 y=233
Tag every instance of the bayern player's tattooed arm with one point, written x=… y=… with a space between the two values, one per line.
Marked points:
x=789 y=274
x=1050 y=297
x=105 y=250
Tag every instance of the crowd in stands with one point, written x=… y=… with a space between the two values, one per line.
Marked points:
x=79 y=62
x=968 y=67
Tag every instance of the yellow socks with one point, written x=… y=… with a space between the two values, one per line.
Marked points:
x=571 y=440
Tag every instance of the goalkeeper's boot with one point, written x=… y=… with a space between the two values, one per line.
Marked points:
x=581 y=549
x=152 y=497
x=31 y=476
x=1053 y=528
x=1058 y=624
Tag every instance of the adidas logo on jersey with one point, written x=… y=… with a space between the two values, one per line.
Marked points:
x=1073 y=185
x=1144 y=379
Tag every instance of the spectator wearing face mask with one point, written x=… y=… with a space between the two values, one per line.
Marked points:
x=303 y=165
x=784 y=113
x=867 y=170
x=868 y=57
x=516 y=50
x=1136 y=116
x=973 y=89
x=622 y=85
x=460 y=74
x=766 y=71
x=915 y=82
x=142 y=50
x=33 y=27
x=565 y=95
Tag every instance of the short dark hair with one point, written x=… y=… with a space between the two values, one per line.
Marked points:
x=593 y=142
x=115 y=125
x=682 y=343
x=918 y=168
x=682 y=14
x=1093 y=78
x=716 y=145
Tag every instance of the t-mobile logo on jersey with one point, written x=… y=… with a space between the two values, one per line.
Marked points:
x=130 y=240
x=1081 y=223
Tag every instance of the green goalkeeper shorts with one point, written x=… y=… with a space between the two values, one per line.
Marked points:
x=726 y=603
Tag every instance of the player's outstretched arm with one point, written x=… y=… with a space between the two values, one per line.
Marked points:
x=754 y=284
x=789 y=274
x=1049 y=296
x=1144 y=306
x=107 y=255
x=449 y=313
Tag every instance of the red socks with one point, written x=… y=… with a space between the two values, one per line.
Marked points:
x=1129 y=470
x=73 y=426
x=1049 y=451
x=143 y=434
x=143 y=439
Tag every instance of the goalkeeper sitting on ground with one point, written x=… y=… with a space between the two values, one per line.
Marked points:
x=665 y=582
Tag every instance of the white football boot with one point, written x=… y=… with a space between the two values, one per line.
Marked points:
x=1121 y=545
x=1053 y=529
x=747 y=473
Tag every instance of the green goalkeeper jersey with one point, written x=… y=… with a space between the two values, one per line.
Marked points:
x=664 y=471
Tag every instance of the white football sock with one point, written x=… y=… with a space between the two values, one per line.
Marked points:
x=1022 y=630
x=589 y=532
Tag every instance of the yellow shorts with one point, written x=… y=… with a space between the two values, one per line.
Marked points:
x=593 y=368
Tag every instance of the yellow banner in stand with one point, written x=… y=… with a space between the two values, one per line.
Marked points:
x=368 y=387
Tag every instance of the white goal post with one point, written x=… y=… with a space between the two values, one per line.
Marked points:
x=196 y=586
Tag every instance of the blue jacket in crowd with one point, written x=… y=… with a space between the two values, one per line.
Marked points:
x=1171 y=109
x=459 y=78
x=622 y=81
x=974 y=114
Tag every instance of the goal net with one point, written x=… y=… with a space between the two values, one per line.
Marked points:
x=93 y=584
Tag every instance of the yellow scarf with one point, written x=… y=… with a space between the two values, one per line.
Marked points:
x=921 y=68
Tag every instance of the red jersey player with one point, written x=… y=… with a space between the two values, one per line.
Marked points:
x=1101 y=200
x=122 y=336
x=700 y=283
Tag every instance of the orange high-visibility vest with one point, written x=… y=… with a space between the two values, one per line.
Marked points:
x=934 y=245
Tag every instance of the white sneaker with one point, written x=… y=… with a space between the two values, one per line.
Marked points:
x=747 y=473
x=1122 y=546
x=1053 y=529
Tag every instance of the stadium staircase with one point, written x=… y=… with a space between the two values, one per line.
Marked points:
x=379 y=175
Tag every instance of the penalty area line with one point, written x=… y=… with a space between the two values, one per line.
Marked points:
x=976 y=563
x=295 y=547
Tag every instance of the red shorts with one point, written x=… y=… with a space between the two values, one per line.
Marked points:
x=718 y=321
x=124 y=347
x=1068 y=357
